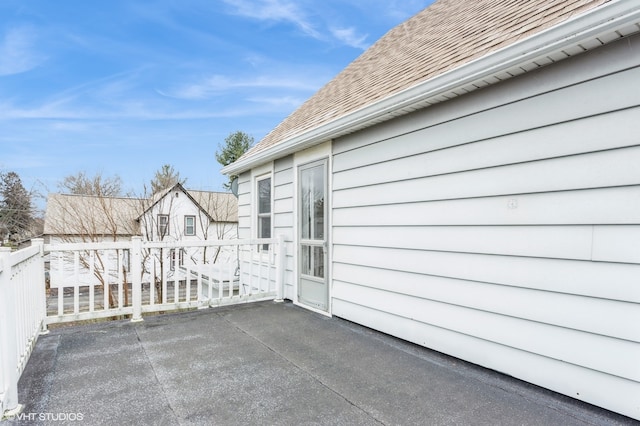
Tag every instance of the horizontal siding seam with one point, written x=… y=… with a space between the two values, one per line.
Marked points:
x=487 y=139
x=489 y=196
x=462 y=171
x=580 y=259
x=493 y=107
x=490 y=341
x=490 y=312
x=481 y=282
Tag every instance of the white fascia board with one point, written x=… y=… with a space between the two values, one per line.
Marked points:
x=605 y=19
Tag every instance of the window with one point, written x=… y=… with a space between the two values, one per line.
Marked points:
x=189 y=225
x=264 y=208
x=163 y=225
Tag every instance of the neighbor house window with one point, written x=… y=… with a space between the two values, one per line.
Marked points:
x=189 y=225
x=180 y=260
x=163 y=225
x=264 y=207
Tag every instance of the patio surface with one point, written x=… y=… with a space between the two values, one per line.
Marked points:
x=271 y=363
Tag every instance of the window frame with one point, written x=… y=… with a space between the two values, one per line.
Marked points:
x=172 y=258
x=162 y=234
x=186 y=226
x=261 y=215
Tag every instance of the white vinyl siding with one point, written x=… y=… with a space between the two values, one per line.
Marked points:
x=283 y=215
x=503 y=227
x=244 y=206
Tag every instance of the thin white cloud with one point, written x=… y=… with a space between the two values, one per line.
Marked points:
x=18 y=51
x=286 y=102
x=217 y=84
x=275 y=10
x=349 y=37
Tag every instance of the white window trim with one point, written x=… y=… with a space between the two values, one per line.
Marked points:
x=256 y=204
x=193 y=226
x=167 y=229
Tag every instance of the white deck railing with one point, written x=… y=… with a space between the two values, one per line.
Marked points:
x=100 y=280
x=90 y=281
x=22 y=314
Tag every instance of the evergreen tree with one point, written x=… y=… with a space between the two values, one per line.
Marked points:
x=16 y=210
x=236 y=144
x=165 y=178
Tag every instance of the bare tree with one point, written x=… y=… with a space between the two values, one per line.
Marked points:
x=219 y=218
x=151 y=211
x=93 y=218
x=81 y=184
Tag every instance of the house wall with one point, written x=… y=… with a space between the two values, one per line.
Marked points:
x=283 y=218
x=177 y=207
x=503 y=227
x=244 y=205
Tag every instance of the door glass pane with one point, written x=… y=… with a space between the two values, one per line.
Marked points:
x=312 y=199
x=312 y=261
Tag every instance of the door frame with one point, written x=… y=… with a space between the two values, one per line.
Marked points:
x=321 y=152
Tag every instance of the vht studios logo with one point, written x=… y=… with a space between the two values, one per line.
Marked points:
x=51 y=417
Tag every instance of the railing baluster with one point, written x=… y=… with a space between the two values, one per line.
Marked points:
x=199 y=283
x=105 y=280
x=135 y=270
x=251 y=262
x=260 y=266
x=153 y=278
x=92 y=266
x=120 y=278
x=187 y=282
x=165 y=265
x=61 y=283
x=176 y=276
x=76 y=282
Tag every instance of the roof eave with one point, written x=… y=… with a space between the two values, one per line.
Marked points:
x=606 y=19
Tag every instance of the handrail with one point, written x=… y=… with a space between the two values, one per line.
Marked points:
x=159 y=276
x=22 y=313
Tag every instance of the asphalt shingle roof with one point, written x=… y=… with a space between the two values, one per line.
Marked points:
x=442 y=37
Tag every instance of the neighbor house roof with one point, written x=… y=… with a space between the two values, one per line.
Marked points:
x=219 y=206
x=69 y=214
x=450 y=48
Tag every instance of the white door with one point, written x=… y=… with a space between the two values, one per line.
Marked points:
x=312 y=236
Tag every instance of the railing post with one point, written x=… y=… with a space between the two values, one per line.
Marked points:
x=280 y=267
x=136 y=273
x=42 y=286
x=8 y=338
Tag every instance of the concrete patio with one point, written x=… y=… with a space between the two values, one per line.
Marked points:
x=270 y=363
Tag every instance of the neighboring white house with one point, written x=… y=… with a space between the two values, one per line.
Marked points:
x=175 y=214
x=471 y=184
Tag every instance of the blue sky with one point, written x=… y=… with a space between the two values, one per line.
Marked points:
x=122 y=87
